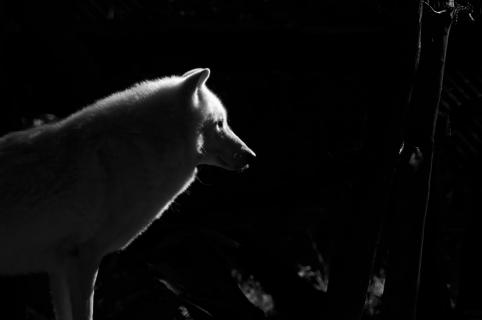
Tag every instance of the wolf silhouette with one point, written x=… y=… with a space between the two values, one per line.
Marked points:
x=77 y=189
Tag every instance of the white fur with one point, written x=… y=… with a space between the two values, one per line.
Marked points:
x=73 y=191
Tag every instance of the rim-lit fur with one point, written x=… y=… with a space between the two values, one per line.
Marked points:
x=75 y=190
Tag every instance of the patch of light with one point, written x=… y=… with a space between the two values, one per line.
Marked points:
x=374 y=293
x=314 y=277
x=254 y=292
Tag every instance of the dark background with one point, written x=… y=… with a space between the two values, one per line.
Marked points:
x=301 y=82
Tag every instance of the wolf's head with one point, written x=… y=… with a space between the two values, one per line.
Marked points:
x=218 y=145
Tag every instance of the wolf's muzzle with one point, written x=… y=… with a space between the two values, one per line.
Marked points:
x=244 y=158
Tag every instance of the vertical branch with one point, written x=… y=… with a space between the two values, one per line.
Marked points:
x=421 y=117
x=412 y=183
x=352 y=261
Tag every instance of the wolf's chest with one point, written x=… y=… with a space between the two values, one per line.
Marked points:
x=142 y=186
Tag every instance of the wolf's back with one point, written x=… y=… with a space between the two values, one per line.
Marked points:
x=31 y=163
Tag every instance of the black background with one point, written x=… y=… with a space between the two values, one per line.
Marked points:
x=299 y=81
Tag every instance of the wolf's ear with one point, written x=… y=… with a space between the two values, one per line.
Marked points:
x=191 y=72
x=195 y=79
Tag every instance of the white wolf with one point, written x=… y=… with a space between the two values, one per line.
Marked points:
x=75 y=190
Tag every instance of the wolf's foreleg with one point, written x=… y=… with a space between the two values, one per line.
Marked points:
x=73 y=283
x=82 y=270
x=60 y=295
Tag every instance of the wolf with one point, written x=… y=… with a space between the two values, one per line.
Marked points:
x=77 y=189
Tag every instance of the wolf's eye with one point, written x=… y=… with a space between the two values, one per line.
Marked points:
x=219 y=124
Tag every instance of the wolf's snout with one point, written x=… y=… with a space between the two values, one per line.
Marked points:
x=221 y=147
x=247 y=156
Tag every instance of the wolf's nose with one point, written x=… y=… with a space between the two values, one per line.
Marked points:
x=250 y=156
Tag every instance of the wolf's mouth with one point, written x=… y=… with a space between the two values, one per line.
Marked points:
x=228 y=166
